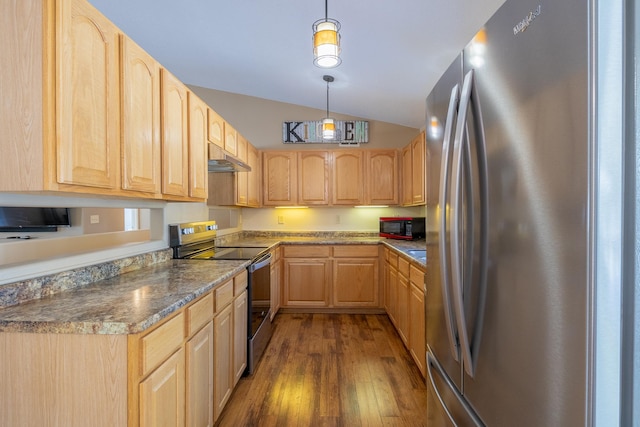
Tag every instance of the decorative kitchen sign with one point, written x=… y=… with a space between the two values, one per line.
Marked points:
x=310 y=132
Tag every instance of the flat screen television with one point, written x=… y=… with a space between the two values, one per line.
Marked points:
x=14 y=219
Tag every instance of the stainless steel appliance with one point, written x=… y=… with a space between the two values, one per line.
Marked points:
x=508 y=286
x=403 y=228
x=196 y=240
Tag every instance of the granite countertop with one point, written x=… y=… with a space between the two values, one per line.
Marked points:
x=125 y=304
x=132 y=302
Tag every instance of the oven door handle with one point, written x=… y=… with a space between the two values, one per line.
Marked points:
x=261 y=261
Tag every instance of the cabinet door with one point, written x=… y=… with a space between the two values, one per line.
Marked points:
x=279 y=172
x=382 y=177
x=223 y=350
x=407 y=176
x=253 y=187
x=306 y=282
x=140 y=119
x=392 y=297
x=199 y=398
x=87 y=97
x=402 y=307
x=417 y=346
x=242 y=178
x=175 y=153
x=162 y=394
x=348 y=178
x=313 y=177
x=230 y=139
x=197 y=147
x=275 y=285
x=215 y=132
x=418 y=171
x=355 y=282
x=241 y=332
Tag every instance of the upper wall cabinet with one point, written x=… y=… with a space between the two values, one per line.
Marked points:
x=414 y=171
x=82 y=108
x=87 y=97
x=348 y=178
x=197 y=147
x=175 y=151
x=140 y=119
x=330 y=178
x=314 y=177
x=215 y=132
x=383 y=185
x=279 y=178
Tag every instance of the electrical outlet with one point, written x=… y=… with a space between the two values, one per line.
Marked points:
x=94 y=219
x=337 y=219
x=280 y=219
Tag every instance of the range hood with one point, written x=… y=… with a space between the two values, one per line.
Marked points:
x=221 y=161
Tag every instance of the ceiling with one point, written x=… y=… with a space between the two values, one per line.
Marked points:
x=393 y=52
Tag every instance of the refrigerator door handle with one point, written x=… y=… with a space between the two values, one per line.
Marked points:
x=469 y=98
x=445 y=169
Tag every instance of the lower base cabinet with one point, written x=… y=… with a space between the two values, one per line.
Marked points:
x=162 y=394
x=325 y=277
x=180 y=372
x=404 y=303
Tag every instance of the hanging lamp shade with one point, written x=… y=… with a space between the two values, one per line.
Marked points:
x=326 y=41
x=328 y=128
x=328 y=124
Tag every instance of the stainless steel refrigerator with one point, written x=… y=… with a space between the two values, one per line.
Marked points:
x=507 y=300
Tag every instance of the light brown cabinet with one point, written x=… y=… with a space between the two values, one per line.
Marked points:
x=348 y=178
x=355 y=276
x=254 y=177
x=223 y=347
x=275 y=271
x=162 y=396
x=404 y=303
x=314 y=174
x=383 y=185
x=230 y=139
x=323 y=276
x=215 y=131
x=417 y=323
x=414 y=172
x=84 y=109
x=141 y=150
x=175 y=148
x=242 y=178
x=197 y=147
x=87 y=92
x=279 y=178
x=330 y=178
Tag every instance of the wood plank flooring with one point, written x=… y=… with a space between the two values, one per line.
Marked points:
x=331 y=370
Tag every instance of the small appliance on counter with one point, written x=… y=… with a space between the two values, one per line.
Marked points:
x=403 y=228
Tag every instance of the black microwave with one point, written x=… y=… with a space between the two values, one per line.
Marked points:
x=405 y=228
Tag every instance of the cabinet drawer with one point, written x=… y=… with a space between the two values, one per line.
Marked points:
x=199 y=313
x=355 y=251
x=307 y=251
x=240 y=283
x=159 y=344
x=403 y=267
x=416 y=276
x=223 y=295
x=393 y=259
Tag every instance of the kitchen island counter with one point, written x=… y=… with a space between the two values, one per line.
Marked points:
x=124 y=304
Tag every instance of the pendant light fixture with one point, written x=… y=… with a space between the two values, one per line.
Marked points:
x=326 y=41
x=328 y=125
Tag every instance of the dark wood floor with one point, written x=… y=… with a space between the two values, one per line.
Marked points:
x=331 y=370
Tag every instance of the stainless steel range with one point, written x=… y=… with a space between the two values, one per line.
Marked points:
x=196 y=240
